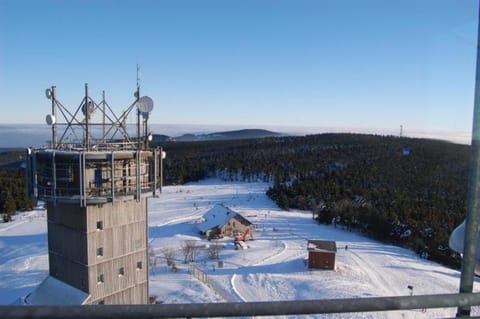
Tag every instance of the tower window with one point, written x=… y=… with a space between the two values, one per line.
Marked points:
x=99 y=225
x=99 y=251
x=138 y=243
x=121 y=272
x=139 y=265
x=100 y=279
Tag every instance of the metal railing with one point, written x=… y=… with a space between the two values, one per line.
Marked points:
x=242 y=309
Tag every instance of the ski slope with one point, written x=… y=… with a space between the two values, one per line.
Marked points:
x=273 y=268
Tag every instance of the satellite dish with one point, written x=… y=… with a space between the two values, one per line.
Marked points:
x=50 y=119
x=91 y=108
x=457 y=242
x=48 y=93
x=145 y=115
x=145 y=104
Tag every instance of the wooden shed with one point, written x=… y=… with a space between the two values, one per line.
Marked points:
x=321 y=254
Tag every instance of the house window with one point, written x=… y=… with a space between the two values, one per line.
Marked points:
x=121 y=272
x=100 y=279
x=99 y=251
x=99 y=225
x=139 y=265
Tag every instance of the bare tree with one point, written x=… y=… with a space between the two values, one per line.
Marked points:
x=190 y=251
x=169 y=254
x=214 y=250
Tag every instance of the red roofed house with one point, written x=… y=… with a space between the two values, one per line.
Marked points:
x=222 y=221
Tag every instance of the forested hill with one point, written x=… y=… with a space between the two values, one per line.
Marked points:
x=408 y=191
x=226 y=135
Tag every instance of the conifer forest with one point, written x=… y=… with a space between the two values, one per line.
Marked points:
x=405 y=191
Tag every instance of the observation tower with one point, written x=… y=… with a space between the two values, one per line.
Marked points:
x=95 y=178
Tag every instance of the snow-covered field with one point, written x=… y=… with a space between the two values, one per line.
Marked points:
x=273 y=268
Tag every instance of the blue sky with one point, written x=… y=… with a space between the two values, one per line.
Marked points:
x=346 y=64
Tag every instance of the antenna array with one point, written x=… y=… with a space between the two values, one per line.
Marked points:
x=83 y=130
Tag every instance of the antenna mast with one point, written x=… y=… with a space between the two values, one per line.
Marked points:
x=54 y=114
x=137 y=95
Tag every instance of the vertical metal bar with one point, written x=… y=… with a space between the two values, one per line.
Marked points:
x=145 y=129
x=147 y=264
x=34 y=176
x=29 y=173
x=161 y=169
x=84 y=168
x=54 y=114
x=113 y=176
x=155 y=167
x=139 y=139
x=54 y=177
x=138 y=176
x=473 y=196
x=80 y=176
x=87 y=113
x=83 y=185
x=103 y=120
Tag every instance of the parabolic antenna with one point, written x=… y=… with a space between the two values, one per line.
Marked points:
x=91 y=108
x=145 y=104
x=50 y=119
x=48 y=93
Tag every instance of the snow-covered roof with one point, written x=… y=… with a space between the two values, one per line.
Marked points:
x=322 y=245
x=55 y=292
x=218 y=216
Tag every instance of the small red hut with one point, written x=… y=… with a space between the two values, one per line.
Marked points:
x=321 y=254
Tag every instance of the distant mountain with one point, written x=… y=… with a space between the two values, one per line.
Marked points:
x=227 y=135
x=160 y=138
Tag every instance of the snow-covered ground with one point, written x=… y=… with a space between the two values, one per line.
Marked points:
x=273 y=268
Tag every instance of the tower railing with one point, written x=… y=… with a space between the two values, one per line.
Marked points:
x=244 y=309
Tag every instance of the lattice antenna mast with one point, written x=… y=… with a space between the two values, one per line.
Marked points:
x=80 y=127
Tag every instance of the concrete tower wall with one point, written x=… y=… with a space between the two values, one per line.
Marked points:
x=97 y=221
x=117 y=250
x=100 y=249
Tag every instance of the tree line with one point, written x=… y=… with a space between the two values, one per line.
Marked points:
x=411 y=192
x=13 y=188
x=13 y=193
